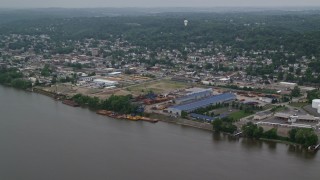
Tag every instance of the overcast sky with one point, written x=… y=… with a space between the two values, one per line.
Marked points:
x=153 y=3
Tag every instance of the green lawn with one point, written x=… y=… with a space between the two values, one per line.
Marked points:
x=298 y=104
x=268 y=106
x=279 y=108
x=239 y=114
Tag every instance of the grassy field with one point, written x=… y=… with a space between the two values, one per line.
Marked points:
x=268 y=106
x=162 y=86
x=279 y=108
x=298 y=104
x=238 y=115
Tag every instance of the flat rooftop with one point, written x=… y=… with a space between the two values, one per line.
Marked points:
x=205 y=102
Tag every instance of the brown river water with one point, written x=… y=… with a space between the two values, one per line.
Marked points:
x=43 y=139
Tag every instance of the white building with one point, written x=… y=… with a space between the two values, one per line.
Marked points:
x=104 y=82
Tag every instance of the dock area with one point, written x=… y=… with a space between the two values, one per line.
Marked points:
x=127 y=117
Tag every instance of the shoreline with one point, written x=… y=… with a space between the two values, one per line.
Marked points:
x=160 y=117
x=177 y=121
x=280 y=141
x=183 y=122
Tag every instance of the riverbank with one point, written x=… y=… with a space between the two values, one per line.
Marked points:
x=280 y=141
x=178 y=121
x=183 y=122
x=153 y=117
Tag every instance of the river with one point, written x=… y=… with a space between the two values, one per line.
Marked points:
x=43 y=139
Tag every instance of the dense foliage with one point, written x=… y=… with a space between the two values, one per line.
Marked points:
x=292 y=32
x=295 y=92
x=305 y=137
x=224 y=125
x=252 y=130
x=46 y=70
x=13 y=77
x=314 y=94
x=120 y=104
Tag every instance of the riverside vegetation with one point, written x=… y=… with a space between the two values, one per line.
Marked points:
x=12 y=77
x=304 y=137
x=119 y=104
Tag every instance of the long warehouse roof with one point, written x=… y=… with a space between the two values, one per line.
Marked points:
x=205 y=102
x=195 y=94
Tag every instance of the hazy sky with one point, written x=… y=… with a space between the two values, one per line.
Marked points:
x=153 y=3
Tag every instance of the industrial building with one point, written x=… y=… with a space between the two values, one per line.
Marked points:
x=114 y=73
x=262 y=115
x=104 y=82
x=294 y=118
x=211 y=100
x=195 y=95
x=276 y=125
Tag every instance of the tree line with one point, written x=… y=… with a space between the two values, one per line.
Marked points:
x=119 y=104
x=304 y=137
x=12 y=77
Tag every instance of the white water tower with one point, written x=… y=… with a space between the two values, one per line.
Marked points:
x=315 y=103
x=185 y=22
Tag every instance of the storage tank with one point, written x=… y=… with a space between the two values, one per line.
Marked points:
x=315 y=103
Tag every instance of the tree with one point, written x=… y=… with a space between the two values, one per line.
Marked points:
x=292 y=135
x=54 y=80
x=306 y=137
x=298 y=71
x=280 y=76
x=217 y=125
x=21 y=84
x=291 y=69
x=184 y=114
x=314 y=94
x=208 y=66
x=249 y=129
x=296 y=92
x=258 y=132
x=271 y=134
x=46 y=71
x=290 y=77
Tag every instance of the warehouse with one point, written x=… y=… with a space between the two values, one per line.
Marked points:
x=104 y=82
x=114 y=74
x=199 y=94
x=212 y=100
x=262 y=115
x=294 y=118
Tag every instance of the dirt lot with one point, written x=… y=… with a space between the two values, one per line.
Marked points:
x=159 y=87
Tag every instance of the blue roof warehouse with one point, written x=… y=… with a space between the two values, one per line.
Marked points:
x=194 y=96
x=212 y=100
